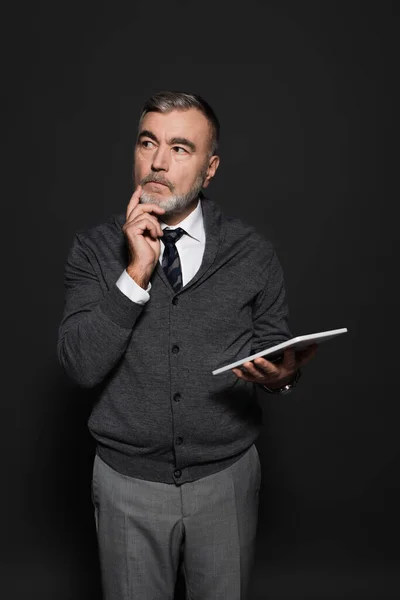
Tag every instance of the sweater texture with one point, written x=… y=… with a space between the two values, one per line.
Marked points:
x=160 y=414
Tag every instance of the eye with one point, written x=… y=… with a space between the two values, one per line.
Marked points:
x=179 y=148
x=144 y=142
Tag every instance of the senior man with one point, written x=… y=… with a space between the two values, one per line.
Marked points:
x=156 y=299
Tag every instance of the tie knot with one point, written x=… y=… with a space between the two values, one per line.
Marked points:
x=171 y=236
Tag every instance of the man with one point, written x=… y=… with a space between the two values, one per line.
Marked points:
x=156 y=299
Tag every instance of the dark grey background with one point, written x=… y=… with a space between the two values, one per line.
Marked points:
x=305 y=92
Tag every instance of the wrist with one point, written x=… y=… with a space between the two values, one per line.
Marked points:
x=284 y=388
x=282 y=382
x=138 y=277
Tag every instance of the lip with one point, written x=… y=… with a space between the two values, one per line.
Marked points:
x=157 y=183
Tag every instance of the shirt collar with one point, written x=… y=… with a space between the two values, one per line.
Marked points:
x=192 y=224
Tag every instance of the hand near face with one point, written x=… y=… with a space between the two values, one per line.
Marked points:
x=143 y=231
x=276 y=375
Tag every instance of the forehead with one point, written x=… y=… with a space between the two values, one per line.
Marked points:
x=191 y=124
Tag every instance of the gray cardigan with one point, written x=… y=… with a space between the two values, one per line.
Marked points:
x=160 y=414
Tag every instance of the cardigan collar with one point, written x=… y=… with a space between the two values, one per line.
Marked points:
x=214 y=231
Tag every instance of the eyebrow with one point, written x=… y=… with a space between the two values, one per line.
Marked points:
x=172 y=141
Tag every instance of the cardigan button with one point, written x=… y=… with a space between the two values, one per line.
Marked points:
x=175 y=300
x=177 y=397
x=175 y=349
x=179 y=441
x=178 y=473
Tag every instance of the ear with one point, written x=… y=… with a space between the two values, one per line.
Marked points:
x=212 y=168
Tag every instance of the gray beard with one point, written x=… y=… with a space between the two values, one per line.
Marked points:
x=172 y=205
x=175 y=204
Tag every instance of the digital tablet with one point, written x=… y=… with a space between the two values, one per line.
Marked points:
x=275 y=352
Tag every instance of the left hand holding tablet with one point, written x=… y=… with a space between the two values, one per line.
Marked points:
x=275 y=374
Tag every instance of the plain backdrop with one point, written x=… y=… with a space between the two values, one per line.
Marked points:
x=305 y=93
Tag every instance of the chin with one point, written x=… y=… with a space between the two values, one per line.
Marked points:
x=171 y=204
x=162 y=201
x=171 y=207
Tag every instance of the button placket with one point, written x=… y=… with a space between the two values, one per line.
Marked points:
x=176 y=396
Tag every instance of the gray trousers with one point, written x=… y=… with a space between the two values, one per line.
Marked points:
x=144 y=526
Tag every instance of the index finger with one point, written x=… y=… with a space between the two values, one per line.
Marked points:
x=134 y=201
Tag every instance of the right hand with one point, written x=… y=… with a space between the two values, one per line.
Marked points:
x=142 y=231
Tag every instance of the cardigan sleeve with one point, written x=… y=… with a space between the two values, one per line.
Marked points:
x=96 y=325
x=270 y=310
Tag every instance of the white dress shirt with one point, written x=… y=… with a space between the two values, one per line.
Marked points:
x=190 y=248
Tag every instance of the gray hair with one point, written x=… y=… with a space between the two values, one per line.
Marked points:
x=164 y=102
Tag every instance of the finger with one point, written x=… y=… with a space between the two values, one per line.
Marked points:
x=254 y=371
x=266 y=367
x=245 y=376
x=150 y=218
x=134 y=201
x=140 y=226
x=144 y=225
x=239 y=373
x=153 y=219
x=140 y=209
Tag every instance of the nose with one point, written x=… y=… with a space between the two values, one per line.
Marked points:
x=160 y=160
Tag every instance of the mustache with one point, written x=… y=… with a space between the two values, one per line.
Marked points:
x=156 y=179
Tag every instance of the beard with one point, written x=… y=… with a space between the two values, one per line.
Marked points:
x=175 y=203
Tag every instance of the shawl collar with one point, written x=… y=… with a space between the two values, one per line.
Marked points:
x=214 y=226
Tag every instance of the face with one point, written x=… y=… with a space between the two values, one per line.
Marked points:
x=172 y=161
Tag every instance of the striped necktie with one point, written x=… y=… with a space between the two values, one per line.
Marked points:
x=170 y=260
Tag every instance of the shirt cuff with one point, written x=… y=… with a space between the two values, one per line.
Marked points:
x=130 y=288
